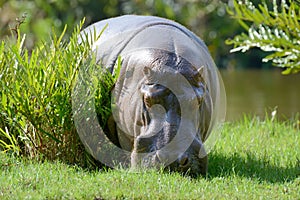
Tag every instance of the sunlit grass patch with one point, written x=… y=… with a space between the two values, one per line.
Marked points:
x=248 y=161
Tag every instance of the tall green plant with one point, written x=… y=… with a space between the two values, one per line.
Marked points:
x=11 y=144
x=276 y=31
x=35 y=94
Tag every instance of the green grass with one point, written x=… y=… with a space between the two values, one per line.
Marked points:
x=253 y=159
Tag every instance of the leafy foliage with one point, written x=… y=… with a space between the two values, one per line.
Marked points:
x=35 y=89
x=276 y=31
x=11 y=145
x=207 y=18
x=35 y=95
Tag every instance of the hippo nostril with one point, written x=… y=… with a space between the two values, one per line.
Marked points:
x=183 y=161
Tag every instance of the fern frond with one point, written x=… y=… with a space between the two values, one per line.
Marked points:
x=276 y=31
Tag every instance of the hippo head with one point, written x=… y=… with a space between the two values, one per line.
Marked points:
x=175 y=115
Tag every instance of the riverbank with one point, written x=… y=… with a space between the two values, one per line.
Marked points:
x=260 y=92
x=252 y=159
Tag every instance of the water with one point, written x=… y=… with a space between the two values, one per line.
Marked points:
x=259 y=91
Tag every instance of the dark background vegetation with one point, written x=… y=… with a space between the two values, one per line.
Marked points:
x=207 y=18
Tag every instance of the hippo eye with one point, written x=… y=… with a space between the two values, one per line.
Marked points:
x=154 y=94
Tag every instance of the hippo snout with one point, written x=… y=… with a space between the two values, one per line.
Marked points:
x=192 y=162
x=184 y=161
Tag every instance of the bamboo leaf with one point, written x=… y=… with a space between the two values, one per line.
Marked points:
x=61 y=36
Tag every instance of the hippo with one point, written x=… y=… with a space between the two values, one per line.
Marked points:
x=167 y=99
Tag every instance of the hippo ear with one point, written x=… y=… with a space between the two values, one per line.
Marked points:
x=199 y=72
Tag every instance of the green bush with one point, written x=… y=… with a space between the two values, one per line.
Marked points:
x=35 y=95
x=275 y=31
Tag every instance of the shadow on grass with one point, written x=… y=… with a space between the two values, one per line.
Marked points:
x=250 y=167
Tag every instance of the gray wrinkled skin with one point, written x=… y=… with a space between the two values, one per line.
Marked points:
x=159 y=118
